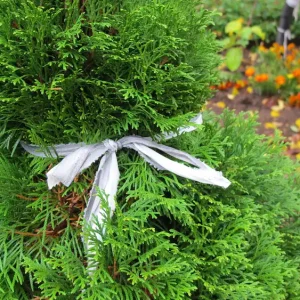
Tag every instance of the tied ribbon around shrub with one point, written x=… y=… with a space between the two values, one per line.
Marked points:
x=78 y=157
x=287 y=35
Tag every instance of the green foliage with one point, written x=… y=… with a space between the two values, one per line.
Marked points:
x=239 y=38
x=263 y=13
x=170 y=238
x=88 y=70
x=241 y=35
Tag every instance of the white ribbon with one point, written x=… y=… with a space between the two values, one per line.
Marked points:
x=292 y=3
x=286 y=32
x=295 y=5
x=296 y=11
x=286 y=37
x=78 y=157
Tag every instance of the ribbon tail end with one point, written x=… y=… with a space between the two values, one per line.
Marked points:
x=221 y=181
x=226 y=183
x=52 y=183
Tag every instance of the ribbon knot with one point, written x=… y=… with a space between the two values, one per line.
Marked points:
x=112 y=145
x=78 y=157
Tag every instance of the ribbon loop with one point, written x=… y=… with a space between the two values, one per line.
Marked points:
x=78 y=157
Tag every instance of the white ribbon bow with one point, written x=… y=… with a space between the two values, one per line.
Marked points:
x=78 y=157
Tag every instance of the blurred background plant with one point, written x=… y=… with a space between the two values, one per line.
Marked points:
x=257 y=74
x=264 y=13
x=247 y=31
x=282 y=75
x=239 y=37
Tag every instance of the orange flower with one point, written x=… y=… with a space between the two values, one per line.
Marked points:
x=294 y=99
x=261 y=77
x=225 y=85
x=291 y=46
x=290 y=58
x=240 y=84
x=277 y=50
x=296 y=73
x=280 y=80
x=249 y=71
x=262 y=48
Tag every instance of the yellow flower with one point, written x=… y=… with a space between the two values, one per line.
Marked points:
x=274 y=114
x=220 y=104
x=270 y=125
x=250 y=90
x=297 y=122
x=262 y=48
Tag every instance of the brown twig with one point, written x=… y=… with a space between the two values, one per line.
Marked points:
x=26 y=198
x=27 y=233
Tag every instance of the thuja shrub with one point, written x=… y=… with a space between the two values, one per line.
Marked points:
x=169 y=238
x=87 y=70
x=83 y=71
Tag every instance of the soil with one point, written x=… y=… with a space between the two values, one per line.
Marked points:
x=262 y=106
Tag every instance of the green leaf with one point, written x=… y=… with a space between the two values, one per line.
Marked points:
x=258 y=31
x=246 y=33
x=234 y=58
x=233 y=26
x=225 y=43
x=228 y=42
x=242 y=43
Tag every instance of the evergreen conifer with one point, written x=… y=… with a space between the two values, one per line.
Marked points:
x=87 y=70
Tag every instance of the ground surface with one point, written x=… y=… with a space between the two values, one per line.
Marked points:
x=285 y=121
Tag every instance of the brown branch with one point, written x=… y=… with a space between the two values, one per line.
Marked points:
x=26 y=233
x=26 y=198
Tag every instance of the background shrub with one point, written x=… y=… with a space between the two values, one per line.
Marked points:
x=264 y=13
